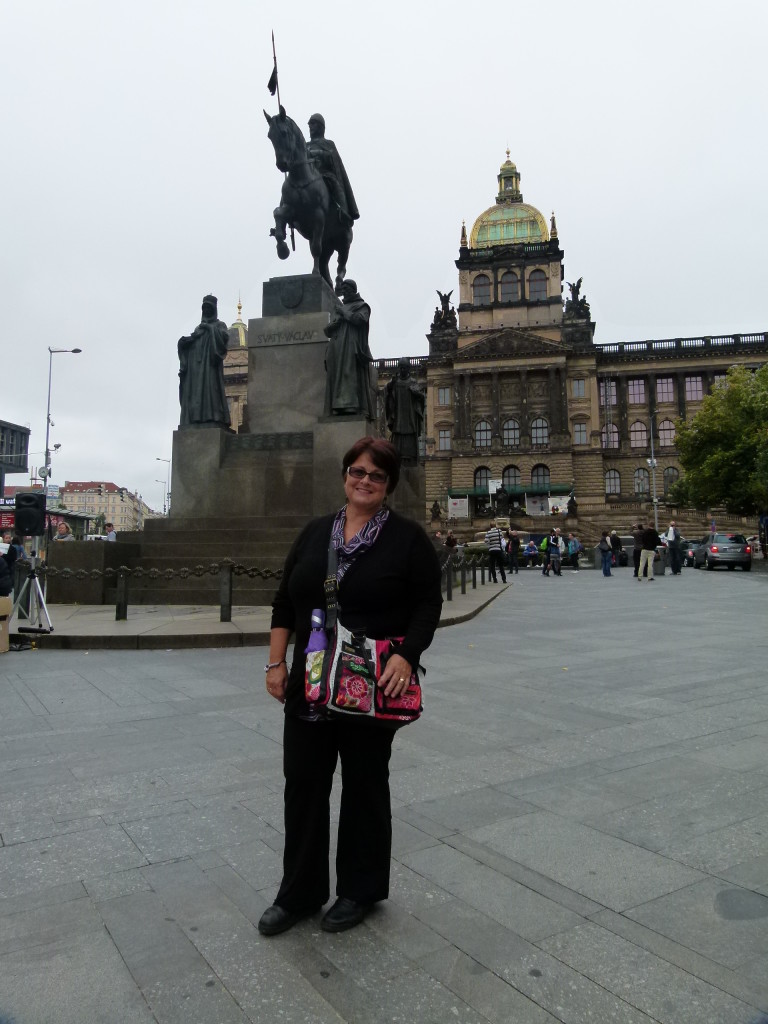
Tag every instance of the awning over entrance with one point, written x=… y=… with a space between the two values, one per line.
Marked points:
x=513 y=492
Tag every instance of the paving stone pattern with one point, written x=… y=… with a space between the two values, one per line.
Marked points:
x=580 y=826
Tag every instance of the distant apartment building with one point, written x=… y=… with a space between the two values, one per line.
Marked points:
x=126 y=510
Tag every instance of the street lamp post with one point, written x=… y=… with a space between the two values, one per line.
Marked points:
x=164 y=493
x=47 y=474
x=167 y=497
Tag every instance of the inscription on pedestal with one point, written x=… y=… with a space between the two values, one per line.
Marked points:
x=295 y=441
x=286 y=337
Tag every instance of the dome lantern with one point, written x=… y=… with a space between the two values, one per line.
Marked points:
x=510 y=221
x=509 y=183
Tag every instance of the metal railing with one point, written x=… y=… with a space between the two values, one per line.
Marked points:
x=456 y=571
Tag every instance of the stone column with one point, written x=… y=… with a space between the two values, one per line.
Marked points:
x=524 y=417
x=680 y=382
x=622 y=413
x=554 y=404
x=495 y=425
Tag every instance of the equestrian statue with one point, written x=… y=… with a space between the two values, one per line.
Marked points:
x=316 y=198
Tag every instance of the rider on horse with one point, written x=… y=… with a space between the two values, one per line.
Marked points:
x=324 y=155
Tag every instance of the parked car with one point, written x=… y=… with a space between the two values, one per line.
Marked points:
x=729 y=549
x=687 y=547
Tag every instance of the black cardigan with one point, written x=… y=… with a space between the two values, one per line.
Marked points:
x=392 y=589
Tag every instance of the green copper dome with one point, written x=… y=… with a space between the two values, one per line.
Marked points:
x=510 y=221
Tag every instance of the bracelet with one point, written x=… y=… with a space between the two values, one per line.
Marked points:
x=274 y=664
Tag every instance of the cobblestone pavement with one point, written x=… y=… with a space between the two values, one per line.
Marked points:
x=580 y=822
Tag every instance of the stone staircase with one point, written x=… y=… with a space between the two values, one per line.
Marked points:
x=260 y=542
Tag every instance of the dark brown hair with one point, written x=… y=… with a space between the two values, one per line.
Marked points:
x=382 y=454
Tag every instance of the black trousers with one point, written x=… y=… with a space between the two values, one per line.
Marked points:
x=496 y=560
x=311 y=751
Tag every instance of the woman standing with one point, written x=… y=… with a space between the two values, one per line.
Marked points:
x=606 y=553
x=388 y=585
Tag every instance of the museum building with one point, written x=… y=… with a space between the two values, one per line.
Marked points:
x=518 y=392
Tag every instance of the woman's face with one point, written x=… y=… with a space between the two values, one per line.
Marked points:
x=365 y=496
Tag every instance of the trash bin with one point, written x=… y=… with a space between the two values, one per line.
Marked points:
x=660 y=561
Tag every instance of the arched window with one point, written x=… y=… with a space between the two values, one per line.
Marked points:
x=481 y=291
x=540 y=431
x=510 y=477
x=609 y=436
x=540 y=476
x=666 y=434
x=537 y=286
x=483 y=434
x=509 y=287
x=482 y=477
x=642 y=481
x=612 y=482
x=671 y=476
x=638 y=435
x=510 y=433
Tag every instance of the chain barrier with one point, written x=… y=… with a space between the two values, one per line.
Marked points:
x=139 y=573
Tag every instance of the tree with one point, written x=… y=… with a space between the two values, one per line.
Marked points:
x=724 y=448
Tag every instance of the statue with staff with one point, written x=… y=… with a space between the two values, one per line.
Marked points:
x=316 y=198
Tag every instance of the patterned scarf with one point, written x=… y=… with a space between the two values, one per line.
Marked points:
x=362 y=540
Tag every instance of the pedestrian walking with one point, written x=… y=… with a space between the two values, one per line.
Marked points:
x=574 y=550
x=651 y=540
x=513 y=550
x=673 y=547
x=553 y=554
x=637 y=537
x=616 y=548
x=606 y=553
x=494 y=538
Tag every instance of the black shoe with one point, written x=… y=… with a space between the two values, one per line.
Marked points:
x=344 y=914
x=277 y=919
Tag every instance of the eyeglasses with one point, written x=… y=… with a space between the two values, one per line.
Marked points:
x=376 y=476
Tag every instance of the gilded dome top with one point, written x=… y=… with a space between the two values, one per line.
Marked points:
x=510 y=221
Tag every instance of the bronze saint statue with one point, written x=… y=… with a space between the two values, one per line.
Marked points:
x=201 y=371
x=348 y=358
x=315 y=199
x=324 y=155
x=404 y=407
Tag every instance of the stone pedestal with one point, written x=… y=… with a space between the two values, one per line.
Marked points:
x=289 y=461
x=410 y=496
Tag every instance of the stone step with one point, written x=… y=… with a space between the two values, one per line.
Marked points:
x=240 y=524
x=195 y=590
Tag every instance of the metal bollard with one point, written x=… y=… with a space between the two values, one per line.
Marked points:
x=121 y=604
x=463 y=576
x=482 y=572
x=448 y=582
x=225 y=591
x=474 y=574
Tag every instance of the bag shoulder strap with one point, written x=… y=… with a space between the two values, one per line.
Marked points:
x=331 y=588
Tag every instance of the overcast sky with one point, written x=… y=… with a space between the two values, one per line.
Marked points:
x=136 y=176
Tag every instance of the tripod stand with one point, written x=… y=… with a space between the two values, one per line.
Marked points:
x=37 y=606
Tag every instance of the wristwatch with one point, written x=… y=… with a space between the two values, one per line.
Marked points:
x=274 y=664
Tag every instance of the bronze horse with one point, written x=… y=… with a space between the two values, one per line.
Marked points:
x=305 y=203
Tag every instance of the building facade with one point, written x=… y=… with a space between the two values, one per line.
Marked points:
x=519 y=393
x=117 y=505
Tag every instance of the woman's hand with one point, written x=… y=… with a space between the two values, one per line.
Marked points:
x=396 y=676
x=277 y=682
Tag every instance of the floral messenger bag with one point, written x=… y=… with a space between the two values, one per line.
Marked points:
x=342 y=679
